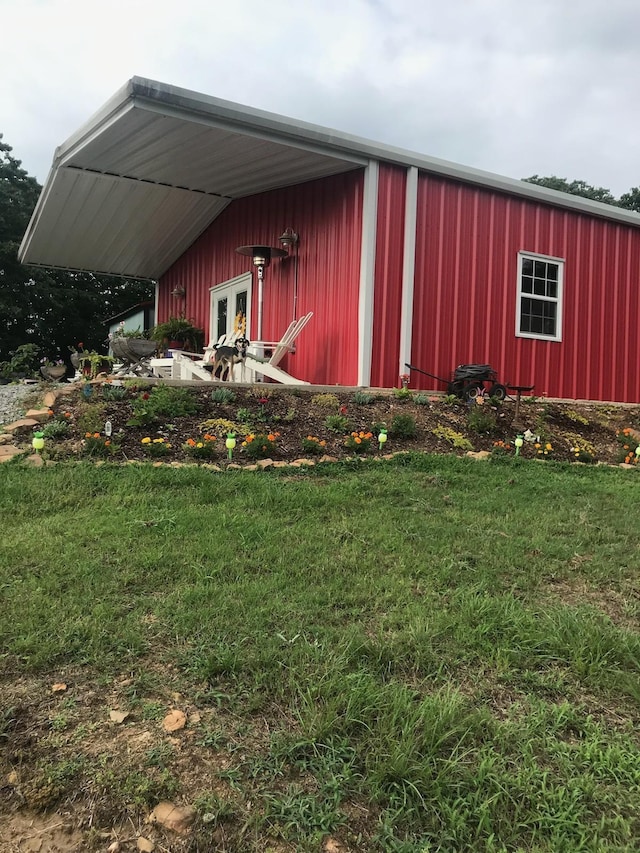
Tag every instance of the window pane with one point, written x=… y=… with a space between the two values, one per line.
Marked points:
x=221 y=323
x=527 y=284
x=540 y=269
x=552 y=272
x=538 y=317
x=527 y=266
x=552 y=289
x=540 y=286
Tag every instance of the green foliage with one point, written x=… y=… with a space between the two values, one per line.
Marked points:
x=56 y=428
x=465 y=677
x=580 y=188
x=203 y=447
x=161 y=402
x=364 y=398
x=221 y=426
x=453 y=437
x=402 y=394
x=23 y=362
x=259 y=445
x=222 y=395
x=338 y=423
x=91 y=417
x=96 y=445
x=451 y=400
x=403 y=426
x=113 y=393
x=359 y=442
x=312 y=444
x=421 y=399
x=155 y=447
x=482 y=419
x=179 y=329
x=325 y=401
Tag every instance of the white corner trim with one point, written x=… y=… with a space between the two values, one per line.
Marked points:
x=155 y=303
x=408 y=268
x=367 y=272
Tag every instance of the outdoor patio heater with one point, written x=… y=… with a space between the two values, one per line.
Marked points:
x=262 y=257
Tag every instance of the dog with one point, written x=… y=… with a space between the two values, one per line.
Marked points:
x=226 y=356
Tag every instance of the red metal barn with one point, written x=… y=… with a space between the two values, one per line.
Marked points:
x=401 y=258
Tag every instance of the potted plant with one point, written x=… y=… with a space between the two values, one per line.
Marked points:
x=89 y=362
x=54 y=370
x=178 y=333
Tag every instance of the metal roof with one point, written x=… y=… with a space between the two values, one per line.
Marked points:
x=132 y=189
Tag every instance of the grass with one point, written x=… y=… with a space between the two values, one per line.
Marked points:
x=426 y=654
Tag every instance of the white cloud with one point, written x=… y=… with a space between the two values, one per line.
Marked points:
x=546 y=87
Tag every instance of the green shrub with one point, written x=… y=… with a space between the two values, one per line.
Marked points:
x=338 y=423
x=114 y=392
x=363 y=398
x=482 y=419
x=453 y=437
x=402 y=394
x=163 y=401
x=422 y=400
x=222 y=395
x=312 y=444
x=325 y=401
x=403 y=426
x=260 y=446
x=56 y=428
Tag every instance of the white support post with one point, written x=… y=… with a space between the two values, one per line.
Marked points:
x=408 y=268
x=367 y=272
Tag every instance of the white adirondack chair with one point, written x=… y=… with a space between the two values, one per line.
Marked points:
x=184 y=365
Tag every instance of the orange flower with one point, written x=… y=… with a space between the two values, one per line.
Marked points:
x=271 y=437
x=191 y=442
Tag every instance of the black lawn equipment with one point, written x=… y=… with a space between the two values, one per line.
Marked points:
x=468 y=381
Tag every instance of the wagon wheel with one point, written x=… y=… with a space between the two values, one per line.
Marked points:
x=455 y=388
x=498 y=391
x=473 y=390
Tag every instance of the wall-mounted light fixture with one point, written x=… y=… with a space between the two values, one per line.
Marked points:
x=179 y=292
x=289 y=239
x=261 y=257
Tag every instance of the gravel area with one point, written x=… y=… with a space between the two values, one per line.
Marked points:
x=12 y=400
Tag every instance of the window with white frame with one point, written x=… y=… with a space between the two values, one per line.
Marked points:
x=539 y=306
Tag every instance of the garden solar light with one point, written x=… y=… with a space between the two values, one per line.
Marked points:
x=230 y=443
x=637 y=452
x=38 y=441
x=382 y=437
x=108 y=429
x=519 y=441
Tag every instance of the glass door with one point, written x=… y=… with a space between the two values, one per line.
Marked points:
x=231 y=308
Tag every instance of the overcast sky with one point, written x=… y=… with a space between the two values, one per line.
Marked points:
x=514 y=87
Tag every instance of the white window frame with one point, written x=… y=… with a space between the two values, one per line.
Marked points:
x=558 y=300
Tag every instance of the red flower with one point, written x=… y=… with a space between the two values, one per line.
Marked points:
x=343 y=410
x=145 y=396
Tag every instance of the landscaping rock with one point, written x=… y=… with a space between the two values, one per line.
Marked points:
x=23 y=423
x=8 y=451
x=40 y=416
x=175 y=818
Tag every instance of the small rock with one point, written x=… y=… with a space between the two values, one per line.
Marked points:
x=174 y=721
x=116 y=847
x=326 y=458
x=41 y=416
x=118 y=717
x=480 y=454
x=145 y=845
x=58 y=687
x=264 y=463
x=176 y=818
x=35 y=459
x=8 y=451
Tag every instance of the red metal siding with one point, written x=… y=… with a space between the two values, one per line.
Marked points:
x=387 y=302
x=468 y=241
x=327 y=214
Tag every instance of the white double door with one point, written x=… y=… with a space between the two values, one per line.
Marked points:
x=229 y=300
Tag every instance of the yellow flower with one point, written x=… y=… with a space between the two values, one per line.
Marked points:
x=146 y=440
x=158 y=440
x=548 y=446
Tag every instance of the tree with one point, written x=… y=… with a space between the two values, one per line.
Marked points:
x=574 y=188
x=53 y=309
x=631 y=200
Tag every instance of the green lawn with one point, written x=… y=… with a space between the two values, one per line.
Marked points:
x=428 y=654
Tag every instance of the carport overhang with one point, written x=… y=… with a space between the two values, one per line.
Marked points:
x=132 y=189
